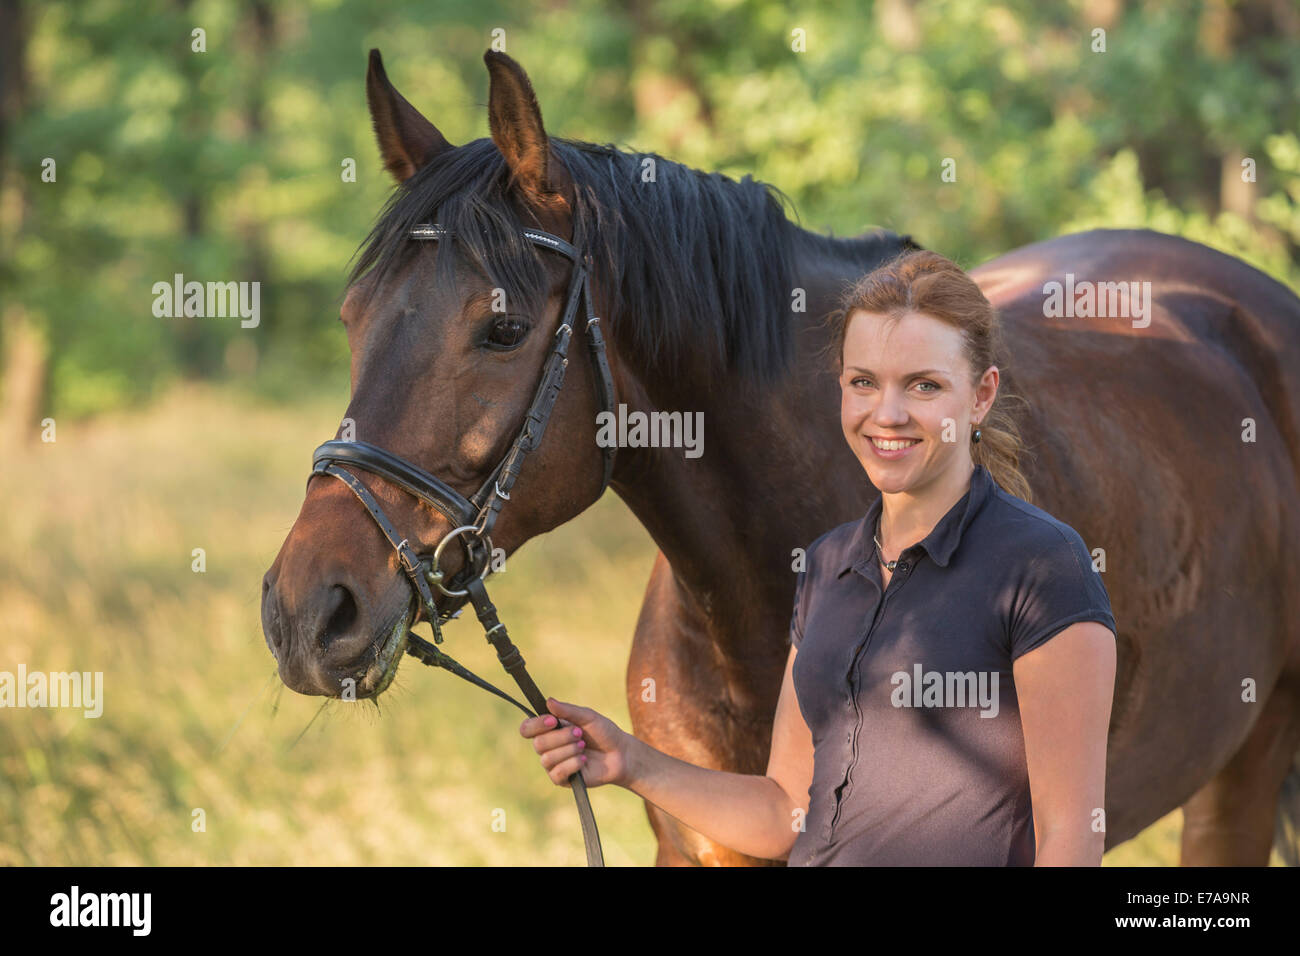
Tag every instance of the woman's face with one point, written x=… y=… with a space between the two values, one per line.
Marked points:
x=908 y=382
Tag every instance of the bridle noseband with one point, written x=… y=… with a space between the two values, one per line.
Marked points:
x=473 y=518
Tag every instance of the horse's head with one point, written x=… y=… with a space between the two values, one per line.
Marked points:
x=448 y=341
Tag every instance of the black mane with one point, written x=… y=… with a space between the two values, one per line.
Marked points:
x=695 y=263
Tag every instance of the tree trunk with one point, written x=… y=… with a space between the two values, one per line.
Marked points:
x=25 y=359
x=22 y=388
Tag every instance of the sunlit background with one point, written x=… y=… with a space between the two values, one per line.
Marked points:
x=177 y=434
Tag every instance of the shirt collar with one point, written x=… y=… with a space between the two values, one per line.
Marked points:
x=943 y=538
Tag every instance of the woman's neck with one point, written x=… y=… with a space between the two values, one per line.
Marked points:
x=908 y=516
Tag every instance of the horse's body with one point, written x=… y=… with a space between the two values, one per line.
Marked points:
x=1137 y=437
x=1137 y=434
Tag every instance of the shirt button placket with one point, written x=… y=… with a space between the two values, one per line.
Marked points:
x=852 y=706
x=844 y=771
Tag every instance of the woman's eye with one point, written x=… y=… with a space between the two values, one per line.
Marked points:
x=933 y=387
x=507 y=333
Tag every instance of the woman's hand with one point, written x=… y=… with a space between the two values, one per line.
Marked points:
x=579 y=740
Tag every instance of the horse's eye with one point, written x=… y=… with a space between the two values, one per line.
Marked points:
x=507 y=333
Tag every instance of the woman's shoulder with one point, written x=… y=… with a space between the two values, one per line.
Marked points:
x=1029 y=530
x=1048 y=577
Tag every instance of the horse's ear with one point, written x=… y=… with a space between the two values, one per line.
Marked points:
x=516 y=124
x=406 y=139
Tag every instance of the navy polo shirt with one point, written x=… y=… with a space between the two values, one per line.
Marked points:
x=919 y=757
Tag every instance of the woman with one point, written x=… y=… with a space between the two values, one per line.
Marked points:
x=952 y=652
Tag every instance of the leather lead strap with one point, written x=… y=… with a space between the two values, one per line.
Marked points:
x=513 y=662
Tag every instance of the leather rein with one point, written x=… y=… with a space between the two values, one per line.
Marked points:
x=473 y=518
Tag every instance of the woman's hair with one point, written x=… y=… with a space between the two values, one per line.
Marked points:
x=927 y=283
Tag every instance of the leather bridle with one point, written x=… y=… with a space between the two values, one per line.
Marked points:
x=473 y=518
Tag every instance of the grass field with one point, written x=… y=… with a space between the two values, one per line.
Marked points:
x=97 y=532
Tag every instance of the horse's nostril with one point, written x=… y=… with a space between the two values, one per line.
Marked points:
x=272 y=621
x=340 y=618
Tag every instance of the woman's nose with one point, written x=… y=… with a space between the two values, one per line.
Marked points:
x=889 y=410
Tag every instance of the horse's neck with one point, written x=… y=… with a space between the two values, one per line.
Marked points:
x=774 y=472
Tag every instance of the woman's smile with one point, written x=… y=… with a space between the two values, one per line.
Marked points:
x=891 y=449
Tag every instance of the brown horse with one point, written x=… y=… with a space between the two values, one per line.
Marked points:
x=1171 y=442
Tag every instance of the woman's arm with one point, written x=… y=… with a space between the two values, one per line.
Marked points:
x=1065 y=687
x=758 y=815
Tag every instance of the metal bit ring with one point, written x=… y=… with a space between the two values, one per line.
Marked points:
x=435 y=573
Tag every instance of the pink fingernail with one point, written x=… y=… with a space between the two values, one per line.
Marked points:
x=549 y=721
x=581 y=744
x=584 y=758
x=577 y=731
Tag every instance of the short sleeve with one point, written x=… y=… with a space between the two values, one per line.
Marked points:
x=1058 y=588
x=797 y=618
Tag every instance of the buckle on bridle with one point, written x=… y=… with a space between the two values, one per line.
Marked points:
x=406 y=555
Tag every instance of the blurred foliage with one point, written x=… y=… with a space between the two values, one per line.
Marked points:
x=225 y=165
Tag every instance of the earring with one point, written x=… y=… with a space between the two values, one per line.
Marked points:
x=975 y=438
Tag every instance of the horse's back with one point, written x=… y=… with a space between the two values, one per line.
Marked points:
x=1209 y=296
x=1219 y=336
